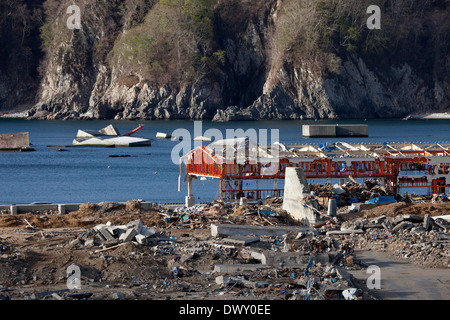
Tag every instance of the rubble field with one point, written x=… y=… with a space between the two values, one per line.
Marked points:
x=124 y=252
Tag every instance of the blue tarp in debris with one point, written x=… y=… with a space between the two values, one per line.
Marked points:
x=384 y=199
x=327 y=147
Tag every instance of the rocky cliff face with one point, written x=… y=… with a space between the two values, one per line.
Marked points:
x=239 y=60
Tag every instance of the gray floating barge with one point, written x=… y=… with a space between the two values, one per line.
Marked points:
x=335 y=130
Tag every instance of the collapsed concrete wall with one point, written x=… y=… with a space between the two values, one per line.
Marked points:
x=296 y=190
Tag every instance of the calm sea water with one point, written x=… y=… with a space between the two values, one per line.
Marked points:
x=88 y=174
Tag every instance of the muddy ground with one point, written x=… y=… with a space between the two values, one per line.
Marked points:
x=36 y=250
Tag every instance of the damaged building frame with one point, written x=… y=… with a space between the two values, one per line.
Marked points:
x=397 y=166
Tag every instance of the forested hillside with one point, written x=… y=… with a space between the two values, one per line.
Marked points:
x=224 y=59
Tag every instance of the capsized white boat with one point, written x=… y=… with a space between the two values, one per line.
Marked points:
x=112 y=142
x=106 y=131
x=94 y=138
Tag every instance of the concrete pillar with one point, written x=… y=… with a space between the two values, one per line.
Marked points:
x=275 y=187
x=189 y=186
x=242 y=201
x=222 y=189
x=190 y=199
x=13 y=209
x=332 y=207
x=239 y=185
x=62 y=209
x=257 y=196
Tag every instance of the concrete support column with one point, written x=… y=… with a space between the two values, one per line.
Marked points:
x=13 y=209
x=222 y=189
x=239 y=188
x=189 y=186
x=190 y=199
x=62 y=209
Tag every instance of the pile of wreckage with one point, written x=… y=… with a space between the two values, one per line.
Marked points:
x=425 y=240
x=201 y=216
x=255 y=258
x=370 y=192
x=110 y=236
x=351 y=192
x=295 y=262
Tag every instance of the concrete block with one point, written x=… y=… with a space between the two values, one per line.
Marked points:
x=379 y=219
x=288 y=258
x=402 y=225
x=148 y=232
x=141 y=239
x=220 y=280
x=412 y=218
x=241 y=240
x=407 y=217
x=426 y=222
x=128 y=235
x=225 y=230
x=242 y=201
x=14 y=141
x=136 y=224
x=106 y=234
x=110 y=243
x=89 y=243
x=116 y=231
x=98 y=227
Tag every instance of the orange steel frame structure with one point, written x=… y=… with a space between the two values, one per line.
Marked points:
x=399 y=169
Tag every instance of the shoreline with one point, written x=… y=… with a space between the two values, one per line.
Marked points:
x=426 y=116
